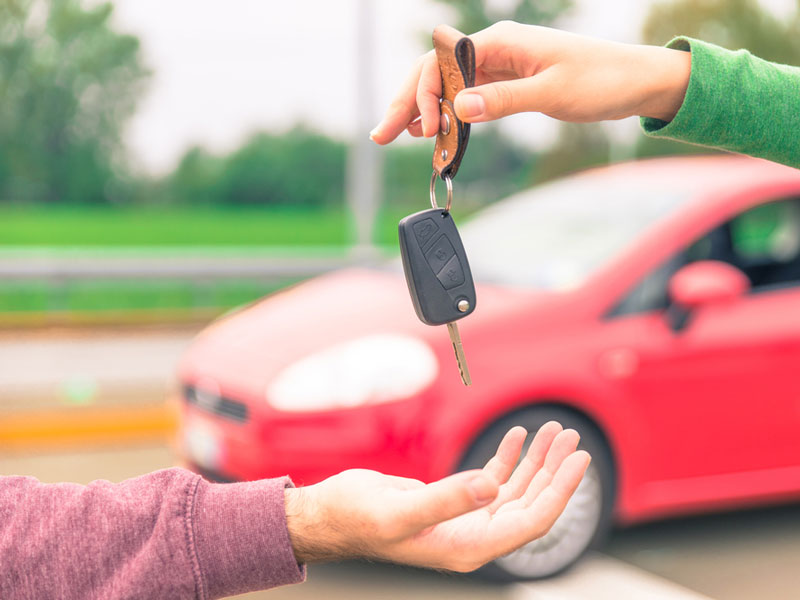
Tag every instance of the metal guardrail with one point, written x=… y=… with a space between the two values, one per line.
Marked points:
x=187 y=264
x=203 y=268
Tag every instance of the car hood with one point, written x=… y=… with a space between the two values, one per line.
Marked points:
x=245 y=350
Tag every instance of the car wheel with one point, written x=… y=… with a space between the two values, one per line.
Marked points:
x=584 y=522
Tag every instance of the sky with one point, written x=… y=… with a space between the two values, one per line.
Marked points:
x=222 y=70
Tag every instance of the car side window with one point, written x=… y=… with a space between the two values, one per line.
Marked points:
x=763 y=242
x=651 y=292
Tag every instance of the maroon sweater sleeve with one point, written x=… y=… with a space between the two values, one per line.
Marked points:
x=169 y=534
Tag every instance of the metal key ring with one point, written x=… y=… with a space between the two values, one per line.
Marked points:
x=449 y=183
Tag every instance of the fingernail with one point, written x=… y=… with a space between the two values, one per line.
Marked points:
x=483 y=488
x=374 y=132
x=471 y=105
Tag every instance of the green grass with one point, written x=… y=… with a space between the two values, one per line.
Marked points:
x=65 y=229
x=105 y=226
x=42 y=226
x=90 y=296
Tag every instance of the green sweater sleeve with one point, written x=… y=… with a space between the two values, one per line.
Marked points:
x=737 y=102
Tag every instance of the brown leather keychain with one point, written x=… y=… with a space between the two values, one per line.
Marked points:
x=456 y=56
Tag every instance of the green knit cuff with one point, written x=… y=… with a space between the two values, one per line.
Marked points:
x=658 y=128
x=738 y=102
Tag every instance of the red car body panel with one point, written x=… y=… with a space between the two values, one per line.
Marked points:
x=705 y=419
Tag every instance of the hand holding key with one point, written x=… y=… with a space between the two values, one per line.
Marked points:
x=526 y=68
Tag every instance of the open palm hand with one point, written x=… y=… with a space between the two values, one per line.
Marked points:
x=458 y=523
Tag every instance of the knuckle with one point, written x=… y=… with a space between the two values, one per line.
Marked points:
x=423 y=58
x=501 y=25
x=424 y=97
x=504 y=99
x=398 y=105
x=504 y=27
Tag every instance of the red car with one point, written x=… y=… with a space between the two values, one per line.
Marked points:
x=653 y=306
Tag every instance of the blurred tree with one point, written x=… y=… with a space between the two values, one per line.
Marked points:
x=732 y=24
x=298 y=168
x=579 y=146
x=304 y=169
x=493 y=167
x=67 y=83
x=729 y=23
x=474 y=15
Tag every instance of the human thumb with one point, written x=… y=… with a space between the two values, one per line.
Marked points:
x=499 y=99
x=448 y=498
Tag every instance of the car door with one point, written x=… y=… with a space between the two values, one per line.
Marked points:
x=720 y=399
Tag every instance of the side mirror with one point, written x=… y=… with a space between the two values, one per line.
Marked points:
x=700 y=284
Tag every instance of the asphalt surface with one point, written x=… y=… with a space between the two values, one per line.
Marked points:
x=745 y=555
x=45 y=369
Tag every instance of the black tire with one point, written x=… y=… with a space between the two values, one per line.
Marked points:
x=587 y=518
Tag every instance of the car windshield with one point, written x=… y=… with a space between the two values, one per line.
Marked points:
x=554 y=236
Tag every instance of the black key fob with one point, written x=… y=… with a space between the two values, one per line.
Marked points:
x=436 y=267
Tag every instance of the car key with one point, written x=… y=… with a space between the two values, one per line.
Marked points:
x=434 y=261
x=438 y=275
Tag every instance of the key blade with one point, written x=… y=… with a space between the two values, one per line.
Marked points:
x=458 y=348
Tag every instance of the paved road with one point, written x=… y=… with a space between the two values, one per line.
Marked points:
x=48 y=369
x=192 y=263
x=750 y=555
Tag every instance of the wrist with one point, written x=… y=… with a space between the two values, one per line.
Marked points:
x=665 y=78
x=299 y=518
x=314 y=535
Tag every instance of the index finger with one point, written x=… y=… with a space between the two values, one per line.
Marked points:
x=424 y=81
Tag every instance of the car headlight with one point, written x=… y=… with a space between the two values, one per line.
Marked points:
x=367 y=370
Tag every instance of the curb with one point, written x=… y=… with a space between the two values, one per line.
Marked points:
x=99 y=426
x=105 y=318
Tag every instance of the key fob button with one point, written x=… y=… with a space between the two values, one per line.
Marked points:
x=424 y=231
x=451 y=274
x=441 y=252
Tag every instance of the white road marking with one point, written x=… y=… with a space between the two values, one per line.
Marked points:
x=600 y=577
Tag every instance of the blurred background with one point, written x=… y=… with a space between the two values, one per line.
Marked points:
x=164 y=163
